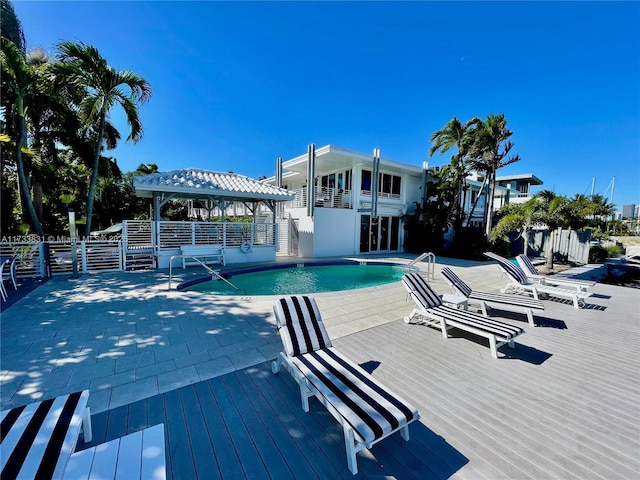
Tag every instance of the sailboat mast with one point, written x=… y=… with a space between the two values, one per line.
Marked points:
x=613 y=185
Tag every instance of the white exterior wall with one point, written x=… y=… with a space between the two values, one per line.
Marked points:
x=411 y=191
x=306 y=230
x=335 y=232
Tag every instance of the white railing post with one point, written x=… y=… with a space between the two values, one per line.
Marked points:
x=83 y=255
x=42 y=266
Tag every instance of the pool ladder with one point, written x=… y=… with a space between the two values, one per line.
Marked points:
x=431 y=264
x=214 y=273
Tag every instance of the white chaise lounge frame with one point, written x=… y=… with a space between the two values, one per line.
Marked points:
x=430 y=309
x=534 y=276
x=305 y=341
x=518 y=282
x=499 y=301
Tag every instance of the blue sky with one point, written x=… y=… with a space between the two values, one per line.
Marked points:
x=238 y=84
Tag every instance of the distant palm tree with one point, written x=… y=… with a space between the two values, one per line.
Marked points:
x=489 y=152
x=81 y=66
x=599 y=208
x=455 y=134
x=518 y=217
x=553 y=213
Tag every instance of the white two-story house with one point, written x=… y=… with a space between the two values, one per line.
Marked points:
x=346 y=202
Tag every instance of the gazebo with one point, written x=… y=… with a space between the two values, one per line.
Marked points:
x=241 y=241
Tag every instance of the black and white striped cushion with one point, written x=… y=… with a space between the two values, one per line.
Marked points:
x=506 y=299
x=503 y=331
x=300 y=325
x=526 y=264
x=369 y=407
x=37 y=439
x=515 y=272
x=456 y=281
x=414 y=283
x=426 y=297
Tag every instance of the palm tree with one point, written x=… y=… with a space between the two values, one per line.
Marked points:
x=454 y=133
x=81 y=67
x=518 y=217
x=11 y=26
x=20 y=82
x=600 y=207
x=489 y=153
x=553 y=213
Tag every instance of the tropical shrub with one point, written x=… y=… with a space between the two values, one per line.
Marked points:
x=597 y=254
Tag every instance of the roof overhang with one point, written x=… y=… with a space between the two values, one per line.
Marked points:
x=530 y=177
x=192 y=183
x=331 y=159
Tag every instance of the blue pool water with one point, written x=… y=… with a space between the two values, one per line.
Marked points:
x=299 y=280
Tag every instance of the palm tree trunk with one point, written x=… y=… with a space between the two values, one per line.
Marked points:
x=94 y=175
x=549 y=264
x=489 y=206
x=525 y=239
x=24 y=186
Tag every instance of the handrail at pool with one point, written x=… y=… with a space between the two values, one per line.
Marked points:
x=207 y=268
x=431 y=264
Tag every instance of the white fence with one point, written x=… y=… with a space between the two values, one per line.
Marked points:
x=41 y=259
x=139 y=246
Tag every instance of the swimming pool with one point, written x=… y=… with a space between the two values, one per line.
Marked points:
x=294 y=280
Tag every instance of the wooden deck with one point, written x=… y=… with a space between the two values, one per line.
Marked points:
x=564 y=404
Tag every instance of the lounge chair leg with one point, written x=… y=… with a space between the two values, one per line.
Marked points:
x=576 y=303
x=404 y=433
x=494 y=348
x=350 y=444
x=305 y=393
x=86 y=425
x=483 y=306
x=443 y=326
x=410 y=316
x=530 y=317
x=276 y=364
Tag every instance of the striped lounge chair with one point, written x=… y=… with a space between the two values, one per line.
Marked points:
x=499 y=301
x=534 y=276
x=430 y=309
x=367 y=410
x=519 y=283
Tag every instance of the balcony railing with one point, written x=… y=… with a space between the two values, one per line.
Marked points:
x=325 y=197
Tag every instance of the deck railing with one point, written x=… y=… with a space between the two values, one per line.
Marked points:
x=324 y=197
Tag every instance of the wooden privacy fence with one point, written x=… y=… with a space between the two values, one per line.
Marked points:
x=571 y=245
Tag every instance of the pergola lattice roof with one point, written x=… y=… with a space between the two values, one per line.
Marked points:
x=198 y=183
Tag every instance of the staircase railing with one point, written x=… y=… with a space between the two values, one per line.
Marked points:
x=431 y=264
x=214 y=273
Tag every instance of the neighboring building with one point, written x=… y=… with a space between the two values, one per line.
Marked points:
x=509 y=189
x=629 y=211
x=518 y=187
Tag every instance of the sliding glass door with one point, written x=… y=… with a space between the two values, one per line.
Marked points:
x=380 y=234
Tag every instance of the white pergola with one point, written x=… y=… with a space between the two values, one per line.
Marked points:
x=214 y=189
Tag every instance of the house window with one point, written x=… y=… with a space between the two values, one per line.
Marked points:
x=365 y=183
x=389 y=185
x=395 y=187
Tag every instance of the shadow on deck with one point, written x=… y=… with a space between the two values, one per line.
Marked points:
x=249 y=424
